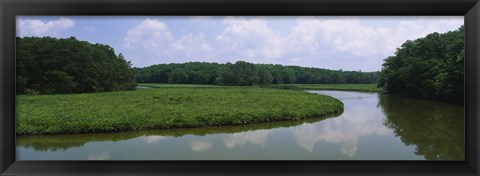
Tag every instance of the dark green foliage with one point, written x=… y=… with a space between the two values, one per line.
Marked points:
x=178 y=75
x=247 y=74
x=49 y=65
x=429 y=67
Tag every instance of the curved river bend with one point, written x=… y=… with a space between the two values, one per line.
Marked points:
x=372 y=127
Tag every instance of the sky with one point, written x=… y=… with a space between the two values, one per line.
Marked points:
x=331 y=42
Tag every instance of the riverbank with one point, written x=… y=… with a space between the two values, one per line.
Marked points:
x=66 y=141
x=165 y=108
x=343 y=87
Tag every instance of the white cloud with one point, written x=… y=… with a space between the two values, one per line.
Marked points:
x=347 y=34
x=324 y=42
x=330 y=42
x=250 y=39
x=318 y=40
x=36 y=27
x=150 y=34
x=413 y=29
x=192 y=45
x=153 y=36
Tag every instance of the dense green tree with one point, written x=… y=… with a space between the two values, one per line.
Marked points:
x=247 y=74
x=288 y=76
x=430 y=67
x=265 y=77
x=178 y=75
x=50 y=65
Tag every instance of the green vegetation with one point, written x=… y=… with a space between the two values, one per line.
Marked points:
x=49 y=65
x=431 y=67
x=163 y=108
x=247 y=74
x=155 y=85
x=346 y=87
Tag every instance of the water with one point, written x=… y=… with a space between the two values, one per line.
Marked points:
x=372 y=127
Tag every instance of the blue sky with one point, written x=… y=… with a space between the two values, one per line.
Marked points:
x=347 y=43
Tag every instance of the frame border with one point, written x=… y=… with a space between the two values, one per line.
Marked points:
x=470 y=9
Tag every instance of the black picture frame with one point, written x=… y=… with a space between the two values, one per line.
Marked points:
x=470 y=9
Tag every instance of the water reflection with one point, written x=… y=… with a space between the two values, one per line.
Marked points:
x=435 y=129
x=153 y=139
x=238 y=135
x=372 y=126
x=258 y=137
x=361 y=117
x=200 y=146
x=99 y=156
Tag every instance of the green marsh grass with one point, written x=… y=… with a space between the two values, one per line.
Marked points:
x=155 y=85
x=165 y=108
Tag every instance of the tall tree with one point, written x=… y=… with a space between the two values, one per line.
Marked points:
x=430 y=67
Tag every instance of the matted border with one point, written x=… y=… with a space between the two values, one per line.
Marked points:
x=9 y=9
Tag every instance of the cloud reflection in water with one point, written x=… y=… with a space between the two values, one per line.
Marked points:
x=346 y=130
x=99 y=156
x=258 y=137
x=200 y=146
x=153 y=139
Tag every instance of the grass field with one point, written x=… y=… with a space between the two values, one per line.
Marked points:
x=153 y=85
x=165 y=107
x=346 y=87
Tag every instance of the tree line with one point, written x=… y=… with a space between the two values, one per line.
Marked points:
x=243 y=73
x=431 y=67
x=50 y=65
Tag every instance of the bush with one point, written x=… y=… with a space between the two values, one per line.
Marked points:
x=30 y=92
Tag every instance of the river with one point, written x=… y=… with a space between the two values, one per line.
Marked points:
x=373 y=126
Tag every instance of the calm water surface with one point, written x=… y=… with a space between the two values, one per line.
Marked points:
x=372 y=127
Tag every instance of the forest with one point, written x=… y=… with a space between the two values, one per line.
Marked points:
x=242 y=73
x=49 y=65
x=431 y=67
